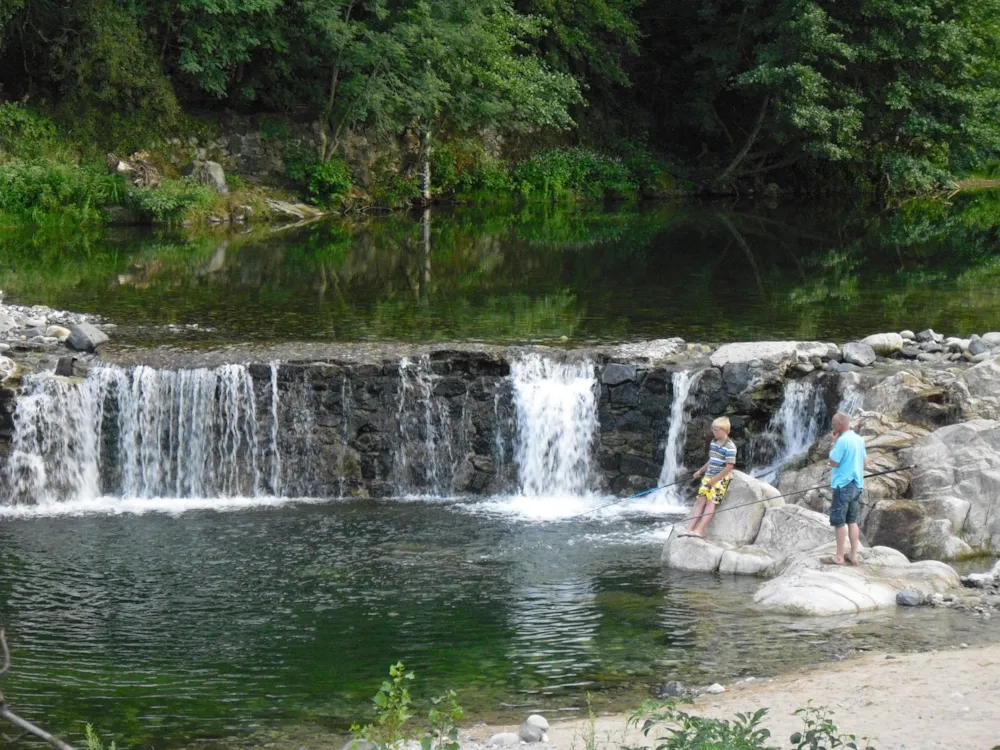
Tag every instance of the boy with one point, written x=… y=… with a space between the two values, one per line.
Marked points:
x=715 y=477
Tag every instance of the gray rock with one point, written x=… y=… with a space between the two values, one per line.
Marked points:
x=86 y=337
x=714 y=689
x=4 y=348
x=504 y=739
x=858 y=354
x=978 y=346
x=360 y=745
x=909 y=598
x=538 y=721
x=981 y=357
x=908 y=335
x=35 y=323
x=616 y=374
x=926 y=335
x=7 y=324
x=34 y=333
x=208 y=173
x=884 y=343
x=931 y=347
x=928 y=357
x=529 y=733
x=671 y=689
x=910 y=352
x=992 y=339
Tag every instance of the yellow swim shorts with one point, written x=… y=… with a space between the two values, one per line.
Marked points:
x=716 y=493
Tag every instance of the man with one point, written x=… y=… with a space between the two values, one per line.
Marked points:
x=847 y=479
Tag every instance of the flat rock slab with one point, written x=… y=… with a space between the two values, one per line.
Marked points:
x=806 y=586
x=772 y=353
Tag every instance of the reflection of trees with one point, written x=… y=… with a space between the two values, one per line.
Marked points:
x=539 y=271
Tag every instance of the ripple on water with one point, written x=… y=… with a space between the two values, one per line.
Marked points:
x=174 y=628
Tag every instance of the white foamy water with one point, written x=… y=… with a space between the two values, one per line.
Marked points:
x=556 y=406
x=796 y=424
x=113 y=506
x=682 y=382
x=153 y=433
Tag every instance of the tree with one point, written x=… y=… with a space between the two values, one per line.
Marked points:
x=469 y=66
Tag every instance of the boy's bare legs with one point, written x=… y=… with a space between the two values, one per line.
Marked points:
x=699 y=508
x=699 y=529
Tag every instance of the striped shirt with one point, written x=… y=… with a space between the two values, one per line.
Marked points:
x=720 y=454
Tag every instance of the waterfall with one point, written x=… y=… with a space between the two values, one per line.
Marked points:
x=795 y=426
x=151 y=433
x=556 y=407
x=427 y=452
x=682 y=382
x=851 y=401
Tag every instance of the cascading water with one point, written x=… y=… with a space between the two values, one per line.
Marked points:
x=682 y=382
x=851 y=401
x=556 y=407
x=795 y=426
x=427 y=450
x=146 y=433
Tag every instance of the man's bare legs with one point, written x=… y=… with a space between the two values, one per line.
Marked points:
x=853 y=532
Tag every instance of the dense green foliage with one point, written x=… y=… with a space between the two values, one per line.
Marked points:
x=895 y=95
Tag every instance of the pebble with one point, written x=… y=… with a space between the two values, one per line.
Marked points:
x=714 y=689
x=963 y=645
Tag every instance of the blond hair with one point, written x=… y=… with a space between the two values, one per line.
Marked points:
x=723 y=423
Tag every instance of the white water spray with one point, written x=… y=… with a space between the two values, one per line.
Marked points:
x=682 y=382
x=556 y=424
x=795 y=426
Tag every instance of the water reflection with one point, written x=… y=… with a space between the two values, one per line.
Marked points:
x=539 y=273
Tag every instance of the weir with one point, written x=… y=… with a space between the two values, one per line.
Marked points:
x=438 y=425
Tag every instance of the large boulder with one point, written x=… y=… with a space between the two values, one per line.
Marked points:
x=772 y=355
x=86 y=337
x=858 y=354
x=208 y=173
x=747 y=561
x=978 y=390
x=692 y=553
x=739 y=516
x=805 y=586
x=790 y=529
x=962 y=461
x=884 y=343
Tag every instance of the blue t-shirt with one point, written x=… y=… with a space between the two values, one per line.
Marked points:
x=849 y=453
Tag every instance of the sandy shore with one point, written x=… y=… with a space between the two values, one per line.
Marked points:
x=947 y=700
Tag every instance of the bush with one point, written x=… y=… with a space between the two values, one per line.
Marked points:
x=573 y=173
x=23 y=132
x=32 y=188
x=321 y=183
x=466 y=170
x=169 y=201
x=686 y=732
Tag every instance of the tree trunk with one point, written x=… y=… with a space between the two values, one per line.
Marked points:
x=735 y=163
x=425 y=154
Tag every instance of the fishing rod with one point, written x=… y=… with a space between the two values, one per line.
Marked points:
x=792 y=494
x=689 y=475
x=632 y=497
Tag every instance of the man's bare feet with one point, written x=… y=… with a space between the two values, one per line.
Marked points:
x=831 y=560
x=852 y=559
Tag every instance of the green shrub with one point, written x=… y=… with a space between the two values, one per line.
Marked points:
x=573 y=173
x=321 y=183
x=94 y=741
x=169 y=201
x=466 y=170
x=392 y=714
x=24 y=133
x=35 y=188
x=683 y=731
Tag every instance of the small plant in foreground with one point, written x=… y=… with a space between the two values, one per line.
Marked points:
x=820 y=733
x=392 y=712
x=94 y=741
